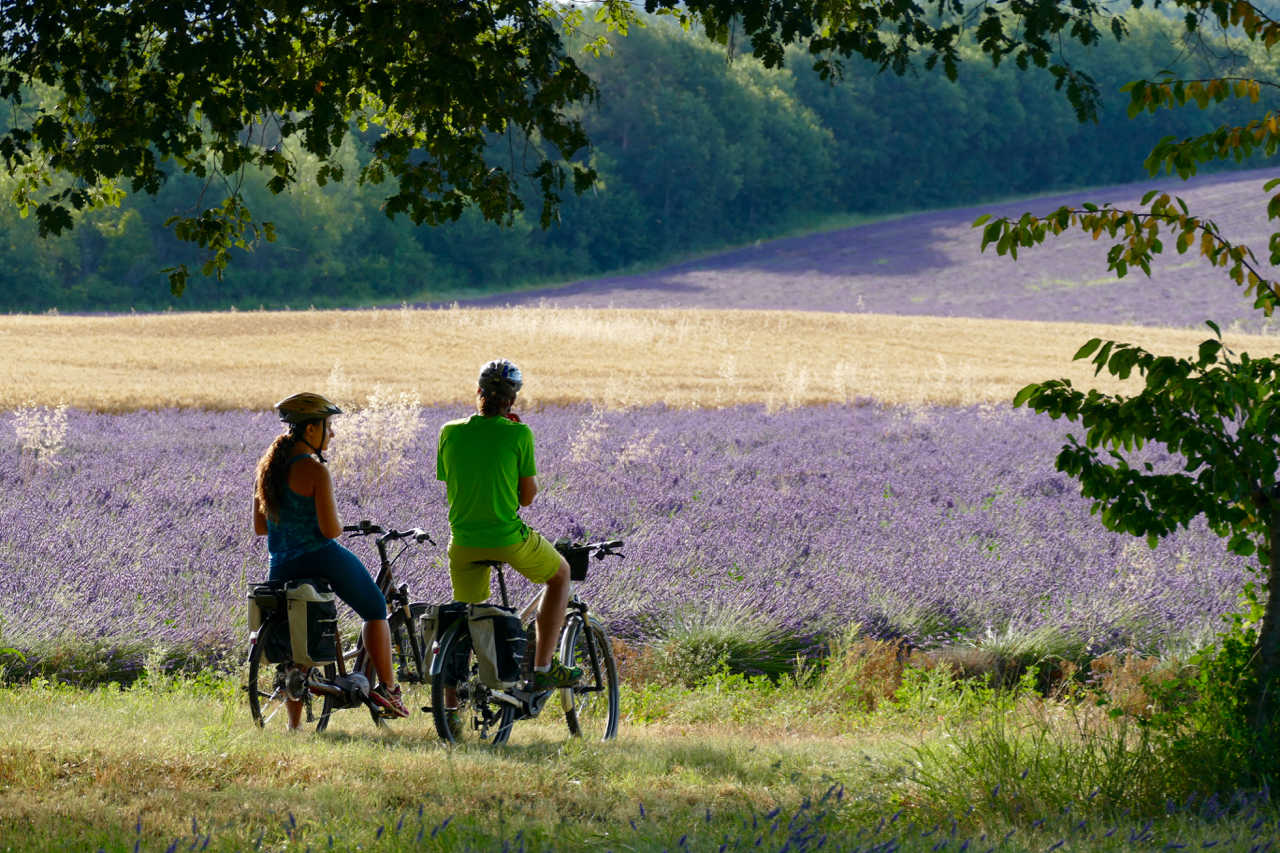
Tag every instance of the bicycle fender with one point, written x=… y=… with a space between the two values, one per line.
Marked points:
x=437 y=659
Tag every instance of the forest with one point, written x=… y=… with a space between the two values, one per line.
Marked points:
x=695 y=150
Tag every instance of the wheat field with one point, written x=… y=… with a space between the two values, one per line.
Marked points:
x=611 y=357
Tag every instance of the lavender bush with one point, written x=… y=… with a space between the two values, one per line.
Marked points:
x=932 y=264
x=941 y=525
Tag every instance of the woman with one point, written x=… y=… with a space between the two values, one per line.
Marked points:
x=294 y=507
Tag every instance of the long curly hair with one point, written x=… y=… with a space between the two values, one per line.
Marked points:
x=270 y=480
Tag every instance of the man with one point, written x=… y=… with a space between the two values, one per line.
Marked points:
x=487 y=464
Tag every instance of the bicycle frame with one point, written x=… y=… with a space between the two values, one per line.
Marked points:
x=340 y=687
x=531 y=702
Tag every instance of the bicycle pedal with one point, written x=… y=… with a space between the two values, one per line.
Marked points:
x=533 y=702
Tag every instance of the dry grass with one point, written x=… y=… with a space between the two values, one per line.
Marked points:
x=613 y=357
x=79 y=768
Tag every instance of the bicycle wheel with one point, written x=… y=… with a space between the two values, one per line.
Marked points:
x=591 y=705
x=410 y=649
x=329 y=705
x=476 y=716
x=270 y=685
x=356 y=662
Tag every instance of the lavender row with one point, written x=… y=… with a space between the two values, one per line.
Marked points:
x=932 y=264
x=926 y=523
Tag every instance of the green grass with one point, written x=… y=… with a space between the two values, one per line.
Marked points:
x=862 y=751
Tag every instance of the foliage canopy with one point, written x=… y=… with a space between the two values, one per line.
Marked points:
x=210 y=89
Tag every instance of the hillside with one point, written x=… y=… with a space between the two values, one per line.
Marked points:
x=693 y=155
x=930 y=264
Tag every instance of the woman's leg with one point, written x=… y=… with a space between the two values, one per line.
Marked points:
x=377 y=642
x=351 y=581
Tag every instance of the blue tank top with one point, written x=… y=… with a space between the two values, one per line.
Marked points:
x=298 y=529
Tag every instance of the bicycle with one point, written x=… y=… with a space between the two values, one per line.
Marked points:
x=273 y=683
x=485 y=713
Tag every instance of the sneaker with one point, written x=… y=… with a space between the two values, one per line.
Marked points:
x=389 y=701
x=558 y=676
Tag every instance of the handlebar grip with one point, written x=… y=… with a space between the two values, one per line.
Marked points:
x=364 y=528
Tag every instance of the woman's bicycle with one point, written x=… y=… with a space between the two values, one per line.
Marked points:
x=275 y=678
x=484 y=712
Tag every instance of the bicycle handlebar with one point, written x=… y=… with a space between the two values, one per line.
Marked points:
x=368 y=528
x=601 y=549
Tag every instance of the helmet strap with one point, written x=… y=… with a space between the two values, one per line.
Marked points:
x=324 y=432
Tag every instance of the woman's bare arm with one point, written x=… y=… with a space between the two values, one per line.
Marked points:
x=326 y=504
x=259 y=520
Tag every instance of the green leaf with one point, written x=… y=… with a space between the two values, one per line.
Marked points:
x=1025 y=394
x=1088 y=349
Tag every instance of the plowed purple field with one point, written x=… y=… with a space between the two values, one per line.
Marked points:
x=930 y=263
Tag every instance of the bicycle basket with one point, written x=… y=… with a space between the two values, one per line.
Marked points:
x=578 y=557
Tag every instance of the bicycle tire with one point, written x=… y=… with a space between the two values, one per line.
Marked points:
x=410 y=663
x=268 y=687
x=591 y=705
x=328 y=706
x=478 y=718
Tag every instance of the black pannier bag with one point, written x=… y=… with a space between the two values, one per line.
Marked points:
x=576 y=556
x=498 y=640
x=437 y=618
x=313 y=621
x=266 y=603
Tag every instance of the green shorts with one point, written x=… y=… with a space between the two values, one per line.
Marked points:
x=535 y=558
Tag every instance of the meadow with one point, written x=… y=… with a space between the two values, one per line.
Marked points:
x=612 y=358
x=859 y=610
x=172 y=765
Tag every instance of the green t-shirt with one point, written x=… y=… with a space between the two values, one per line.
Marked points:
x=481 y=461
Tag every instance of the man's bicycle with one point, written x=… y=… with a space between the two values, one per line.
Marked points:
x=486 y=713
x=275 y=678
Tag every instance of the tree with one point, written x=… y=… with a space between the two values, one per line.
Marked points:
x=211 y=88
x=1218 y=413
x=138 y=90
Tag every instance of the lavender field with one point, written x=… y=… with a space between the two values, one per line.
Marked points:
x=942 y=525
x=930 y=264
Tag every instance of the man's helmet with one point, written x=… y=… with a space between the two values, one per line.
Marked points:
x=500 y=378
x=304 y=408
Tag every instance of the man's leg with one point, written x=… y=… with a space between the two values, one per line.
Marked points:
x=555 y=599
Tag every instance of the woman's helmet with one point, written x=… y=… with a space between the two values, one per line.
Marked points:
x=500 y=378
x=305 y=408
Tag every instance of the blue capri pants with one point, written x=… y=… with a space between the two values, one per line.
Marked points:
x=345 y=573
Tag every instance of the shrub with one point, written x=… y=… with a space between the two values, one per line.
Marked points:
x=373 y=444
x=859 y=672
x=696 y=642
x=41 y=433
